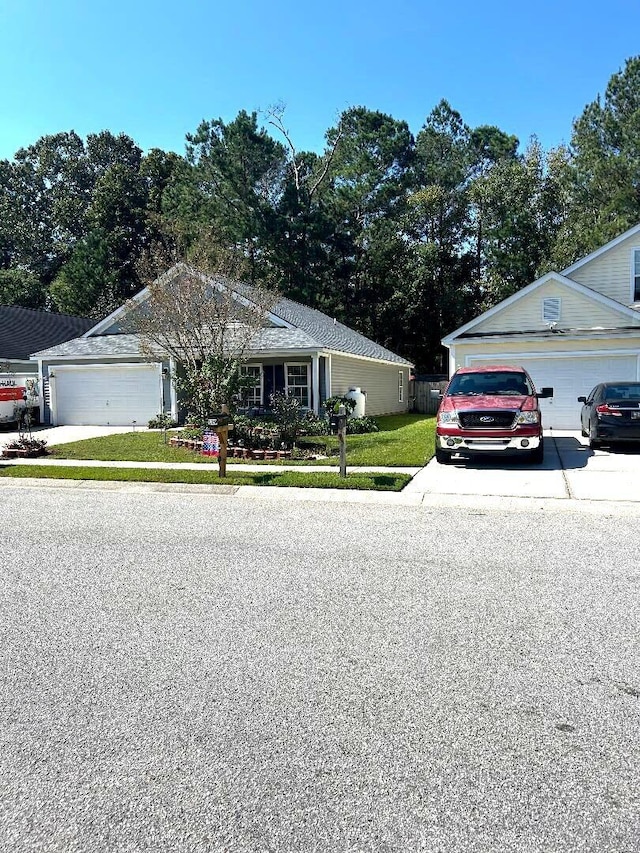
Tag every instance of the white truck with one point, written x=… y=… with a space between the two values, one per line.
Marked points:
x=18 y=394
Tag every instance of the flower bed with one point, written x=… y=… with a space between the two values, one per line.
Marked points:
x=25 y=448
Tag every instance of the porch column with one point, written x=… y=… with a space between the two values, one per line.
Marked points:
x=315 y=382
x=41 y=390
x=53 y=397
x=172 y=390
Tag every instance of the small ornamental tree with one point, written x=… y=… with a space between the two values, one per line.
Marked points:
x=209 y=324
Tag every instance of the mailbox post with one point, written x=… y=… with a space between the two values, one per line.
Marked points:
x=220 y=423
x=338 y=423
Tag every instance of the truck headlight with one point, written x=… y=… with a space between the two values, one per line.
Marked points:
x=448 y=418
x=528 y=418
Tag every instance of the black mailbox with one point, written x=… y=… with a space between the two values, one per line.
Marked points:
x=337 y=422
x=219 y=420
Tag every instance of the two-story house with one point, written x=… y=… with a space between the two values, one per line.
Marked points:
x=569 y=330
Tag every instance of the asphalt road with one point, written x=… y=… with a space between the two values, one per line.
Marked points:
x=204 y=673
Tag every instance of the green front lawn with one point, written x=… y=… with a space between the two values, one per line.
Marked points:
x=403 y=440
x=301 y=479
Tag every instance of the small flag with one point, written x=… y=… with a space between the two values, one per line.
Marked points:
x=210 y=444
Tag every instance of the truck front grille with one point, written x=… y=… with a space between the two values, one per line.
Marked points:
x=487 y=419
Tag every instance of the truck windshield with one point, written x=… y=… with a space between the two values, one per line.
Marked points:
x=492 y=383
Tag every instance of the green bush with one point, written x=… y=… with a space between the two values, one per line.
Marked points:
x=191 y=434
x=163 y=420
x=315 y=426
x=332 y=404
x=360 y=426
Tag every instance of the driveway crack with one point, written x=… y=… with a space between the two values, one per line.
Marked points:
x=565 y=479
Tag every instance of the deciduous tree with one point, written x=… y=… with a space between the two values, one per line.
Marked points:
x=208 y=322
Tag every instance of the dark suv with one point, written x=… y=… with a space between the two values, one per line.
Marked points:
x=490 y=409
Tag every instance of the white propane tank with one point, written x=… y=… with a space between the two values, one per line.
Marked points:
x=359 y=397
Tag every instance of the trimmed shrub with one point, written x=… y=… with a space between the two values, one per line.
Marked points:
x=359 y=426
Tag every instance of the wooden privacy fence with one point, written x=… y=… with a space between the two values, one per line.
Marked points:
x=421 y=393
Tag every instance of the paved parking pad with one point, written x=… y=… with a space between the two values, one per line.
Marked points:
x=494 y=477
x=571 y=470
x=611 y=474
x=67 y=434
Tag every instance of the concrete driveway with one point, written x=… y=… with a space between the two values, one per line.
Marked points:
x=570 y=470
x=66 y=434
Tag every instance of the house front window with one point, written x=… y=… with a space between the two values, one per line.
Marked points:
x=252 y=397
x=297 y=382
x=636 y=275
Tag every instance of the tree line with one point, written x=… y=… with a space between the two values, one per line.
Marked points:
x=401 y=237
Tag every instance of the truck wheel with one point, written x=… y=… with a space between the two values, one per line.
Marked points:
x=443 y=456
x=536 y=457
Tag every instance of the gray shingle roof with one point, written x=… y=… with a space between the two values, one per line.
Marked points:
x=25 y=330
x=311 y=330
x=101 y=345
x=324 y=331
x=330 y=334
x=113 y=345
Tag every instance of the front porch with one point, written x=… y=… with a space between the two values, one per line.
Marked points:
x=307 y=378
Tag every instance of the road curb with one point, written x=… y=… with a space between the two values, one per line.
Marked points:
x=431 y=502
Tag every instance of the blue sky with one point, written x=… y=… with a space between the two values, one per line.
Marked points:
x=155 y=70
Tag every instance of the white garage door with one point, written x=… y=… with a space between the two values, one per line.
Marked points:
x=109 y=395
x=570 y=376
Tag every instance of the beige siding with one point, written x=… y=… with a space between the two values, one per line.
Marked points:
x=610 y=273
x=558 y=345
x=577 y=311
x=380 y=381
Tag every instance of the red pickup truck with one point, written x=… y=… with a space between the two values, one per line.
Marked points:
x=490 y=409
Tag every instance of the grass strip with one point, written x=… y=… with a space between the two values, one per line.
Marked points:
x=302 y=479
x=403 y=440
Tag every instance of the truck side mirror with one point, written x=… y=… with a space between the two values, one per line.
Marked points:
x=544 y=393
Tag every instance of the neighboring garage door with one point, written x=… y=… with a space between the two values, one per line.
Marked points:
x=570 y=376
x=109 y=395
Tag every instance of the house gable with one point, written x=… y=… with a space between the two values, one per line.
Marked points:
x=114 y=323
x=579 y=308
x=609 y=270
x=575 y=310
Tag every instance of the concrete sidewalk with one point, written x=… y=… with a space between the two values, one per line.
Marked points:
x=45 y=461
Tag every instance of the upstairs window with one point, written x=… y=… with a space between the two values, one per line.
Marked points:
x=636 y=275
x=551 y=309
